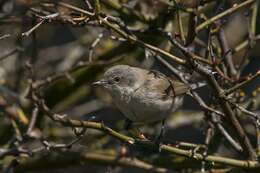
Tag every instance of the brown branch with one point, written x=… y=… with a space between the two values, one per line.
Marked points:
x=242 y=84
x=13 y=112
x=5 y=36
x=32 y=121
x=125 y=162
x=192 y=60
x=132 y=141
x=80 y=64
x=230 y=115
x=223 y=14
x=180 y=25
x=12 y=52
x=244 y=44
x=226 y=53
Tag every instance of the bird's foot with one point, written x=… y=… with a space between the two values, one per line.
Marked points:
x=142 y=136
x=200 y=149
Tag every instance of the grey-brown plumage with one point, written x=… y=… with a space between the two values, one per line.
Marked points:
x=143 y=96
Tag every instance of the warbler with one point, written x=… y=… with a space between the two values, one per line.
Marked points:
x=143 y=96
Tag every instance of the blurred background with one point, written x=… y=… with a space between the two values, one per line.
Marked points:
x=58 y=45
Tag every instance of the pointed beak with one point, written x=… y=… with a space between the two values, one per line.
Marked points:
x=99 y=83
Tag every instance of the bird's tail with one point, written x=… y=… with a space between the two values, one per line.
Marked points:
x=197 y=85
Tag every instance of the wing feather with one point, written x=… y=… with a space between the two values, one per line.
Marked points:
x=163 y=86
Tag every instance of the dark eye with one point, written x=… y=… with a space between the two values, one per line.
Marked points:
x=117 y=79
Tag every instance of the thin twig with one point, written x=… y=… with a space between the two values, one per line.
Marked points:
x=93 y=45
x=5 y=36
x=43 y=19
x=131 y=141
x=123 y=161
x=180 y=25
x=240 y=85
x=223 y=14
x=81 y=64
x=226 y=53
x=27 y=33
x=32 y=121
x=15 y=50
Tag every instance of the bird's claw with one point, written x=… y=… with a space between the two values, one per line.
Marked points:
x=200 y=149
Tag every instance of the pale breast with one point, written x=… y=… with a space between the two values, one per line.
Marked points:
x=123 y=103
x=148 y=107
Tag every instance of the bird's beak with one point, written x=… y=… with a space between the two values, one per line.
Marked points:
x=99 y=83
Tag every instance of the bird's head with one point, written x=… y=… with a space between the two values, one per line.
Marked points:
x=118 y=79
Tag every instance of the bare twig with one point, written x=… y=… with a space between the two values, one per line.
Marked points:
x=15 y=50
x=180 y=25
x=93 y=45
x=227 y=12
x=81 y=64
x=131 y=141
x=43 y=19
x=5 y=36
x=227 y=54
x=209 y=66
x=240 y=85
x=32 y=121
x=126 y=162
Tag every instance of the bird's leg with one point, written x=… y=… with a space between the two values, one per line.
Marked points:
x=128 y=124
x=133 y=130
x=161 y=134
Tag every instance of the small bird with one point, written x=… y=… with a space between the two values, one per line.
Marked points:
x=143 y=96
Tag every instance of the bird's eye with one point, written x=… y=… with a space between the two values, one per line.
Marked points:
x=117 y=79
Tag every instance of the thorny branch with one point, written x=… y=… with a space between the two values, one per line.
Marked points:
x=222 y=111
x=132 y=141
